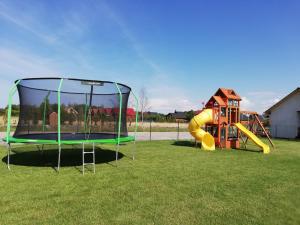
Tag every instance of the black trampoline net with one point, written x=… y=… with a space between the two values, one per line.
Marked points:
x=88 y=109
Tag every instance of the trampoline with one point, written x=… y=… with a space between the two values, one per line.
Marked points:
x=70 y=111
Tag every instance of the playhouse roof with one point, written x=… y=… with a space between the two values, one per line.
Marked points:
x=229 y=93
x=219 y=100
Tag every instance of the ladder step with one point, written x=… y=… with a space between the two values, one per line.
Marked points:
x=88 y=152
x=88 y=163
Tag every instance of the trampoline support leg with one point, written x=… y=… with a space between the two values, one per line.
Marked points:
x=59 y=152
x=82 y=158
x=133 y=150
x=117 y=152
x=41 y=150
x=8 y=155
x=94 y=157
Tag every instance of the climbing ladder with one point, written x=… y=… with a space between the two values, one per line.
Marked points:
x=83 y=158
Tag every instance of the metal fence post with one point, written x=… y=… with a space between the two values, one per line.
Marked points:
x=150 y=130
x=177 y=130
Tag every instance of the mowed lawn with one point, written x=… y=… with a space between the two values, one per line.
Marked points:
x=168 y=183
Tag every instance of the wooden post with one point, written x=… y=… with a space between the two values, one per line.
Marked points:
x=251 y=126
x=262 y=127
x=241 y=136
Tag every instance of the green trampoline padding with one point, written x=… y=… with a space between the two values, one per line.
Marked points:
x=44 y=141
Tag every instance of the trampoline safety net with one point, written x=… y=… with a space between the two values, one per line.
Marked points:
x=88 y=109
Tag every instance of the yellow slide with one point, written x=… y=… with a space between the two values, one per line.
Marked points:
x=206 y=139
x=253 y=137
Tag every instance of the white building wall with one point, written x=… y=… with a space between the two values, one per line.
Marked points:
x=284 y=119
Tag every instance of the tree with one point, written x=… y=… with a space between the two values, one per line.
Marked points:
x=189 y=114
x=45 y=110
x=5 y=115
x=144 y=102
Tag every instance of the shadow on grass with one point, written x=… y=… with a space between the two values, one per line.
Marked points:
x=186 y=143
x=69 y=157
x=249 y=150
x=192 y=144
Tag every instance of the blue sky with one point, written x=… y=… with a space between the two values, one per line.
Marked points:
x=180 y=51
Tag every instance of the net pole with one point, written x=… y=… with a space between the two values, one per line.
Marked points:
x=120 y=120
x=10 y=96
x=85 y=111
x=8 y=125
x=58 y=122
x=136 y=121
x=136 y=113
x=90 y=110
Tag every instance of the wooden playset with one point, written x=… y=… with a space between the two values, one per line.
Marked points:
x=225 y=104
x=222 y=126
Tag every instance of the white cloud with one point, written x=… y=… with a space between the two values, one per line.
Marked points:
x=246 y=104
x=15 y=63
x=260 y=101
x=73 y=24
x=171 y=103
x=5 y=88
x=166 y=99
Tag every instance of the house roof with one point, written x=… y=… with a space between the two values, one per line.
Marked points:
x=130 y=112
x=297 y=90
x=108 y=111
x=229 y=93
x=178 y=115
x=151 y=113
x=217 y=99
x=198 y=111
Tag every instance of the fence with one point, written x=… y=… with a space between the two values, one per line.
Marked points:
x=150 y=130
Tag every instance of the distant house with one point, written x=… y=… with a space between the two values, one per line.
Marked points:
x=151 y=113
x=197 y=112
x=71 y=110
x=130 y=113
x=178 y=116
x=284 y=116
x=53 y=119
x=183 y=116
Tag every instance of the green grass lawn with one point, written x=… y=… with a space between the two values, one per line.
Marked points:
x=168 y=183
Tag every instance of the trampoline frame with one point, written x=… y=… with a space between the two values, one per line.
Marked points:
x=10 y=139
